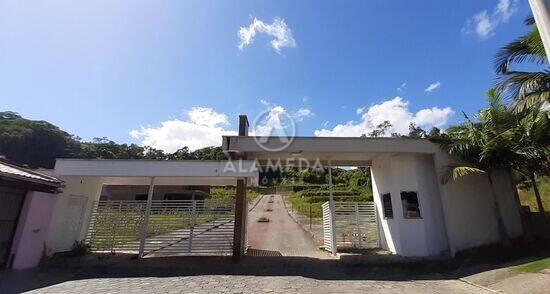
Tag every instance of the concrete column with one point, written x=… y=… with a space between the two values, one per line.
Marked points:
x=541 y=12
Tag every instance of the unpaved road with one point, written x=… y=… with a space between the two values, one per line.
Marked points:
x=281 y=235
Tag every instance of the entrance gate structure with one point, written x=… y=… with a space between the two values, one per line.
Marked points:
x=398 y=165
x=417 y=213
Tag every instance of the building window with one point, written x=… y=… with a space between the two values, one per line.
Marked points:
x=411 y=208
x=386 y=205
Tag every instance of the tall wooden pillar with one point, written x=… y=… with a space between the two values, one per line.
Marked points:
x=239 y=233
x=241 y=210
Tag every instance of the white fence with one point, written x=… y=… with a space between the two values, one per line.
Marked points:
x=196 y=227
x=352 y=225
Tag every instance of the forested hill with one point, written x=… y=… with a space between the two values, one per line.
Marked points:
x=34 y=144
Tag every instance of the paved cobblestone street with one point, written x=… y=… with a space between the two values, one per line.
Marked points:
x=122 y=274
x=254 y=284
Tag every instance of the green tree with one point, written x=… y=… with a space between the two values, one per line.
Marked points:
x=34 y=143
x=482 y=148
x=380 y=129
x=531 y=137
x=526 y=88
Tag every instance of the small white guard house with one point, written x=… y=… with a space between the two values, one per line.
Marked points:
x=419 y=215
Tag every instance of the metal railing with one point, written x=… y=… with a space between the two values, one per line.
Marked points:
x=352 y=225
x=173 y=227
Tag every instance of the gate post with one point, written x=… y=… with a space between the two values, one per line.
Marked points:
x=241 y=212
x=145 y=223
x=332 y=212
x=192 y=223
x=358 y=225
x=239 y=233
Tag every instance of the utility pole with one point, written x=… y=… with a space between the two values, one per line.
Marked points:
x=541 y=12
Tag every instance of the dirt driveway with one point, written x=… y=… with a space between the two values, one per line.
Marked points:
x=281 y=235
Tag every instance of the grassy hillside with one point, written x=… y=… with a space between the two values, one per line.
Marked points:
x=527 y=197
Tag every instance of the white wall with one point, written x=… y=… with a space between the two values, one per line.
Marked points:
x=71 y=212
x=456 y=215
x=32 y=230
x=409 y=172
x=470 y=212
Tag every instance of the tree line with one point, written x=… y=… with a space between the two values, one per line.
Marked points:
x=36 y=144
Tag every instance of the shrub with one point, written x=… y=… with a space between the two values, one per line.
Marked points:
x=80 y=248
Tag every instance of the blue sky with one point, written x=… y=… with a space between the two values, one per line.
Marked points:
x=171 y=73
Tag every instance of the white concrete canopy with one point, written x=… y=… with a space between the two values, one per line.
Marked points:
x=340 y=151
x=139 y=172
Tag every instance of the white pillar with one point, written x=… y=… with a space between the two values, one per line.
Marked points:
x=192 y=222
x=146 y=218
x=331 y=208
x=541 y=12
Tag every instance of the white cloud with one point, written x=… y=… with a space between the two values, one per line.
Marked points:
x=506 y=8
x=433 y=86
x=360 y=110
x=274 y=123
x=484 y=24
x=203 y=128
x=402 y=87
x=302 y=113
x=397 y=112
x=277 y=120
x=278 y=29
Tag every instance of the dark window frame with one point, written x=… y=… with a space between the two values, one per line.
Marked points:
x=411 y=205
x=387 y=206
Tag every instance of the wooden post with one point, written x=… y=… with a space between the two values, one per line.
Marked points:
x=145 y=223
x=239 y=233
x=241 y=212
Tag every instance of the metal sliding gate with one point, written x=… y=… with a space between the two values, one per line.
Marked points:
x=352 y=225
x=195 y=227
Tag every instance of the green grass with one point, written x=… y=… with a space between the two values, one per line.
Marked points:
x=535 y=266
x=228 y=193
x=527 y=197
x=303 y=206
x=308 y=202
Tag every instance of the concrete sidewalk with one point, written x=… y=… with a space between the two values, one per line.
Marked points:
x=509 y=280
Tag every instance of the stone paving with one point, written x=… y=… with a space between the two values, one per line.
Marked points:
x=122 y=274
x=254 y=284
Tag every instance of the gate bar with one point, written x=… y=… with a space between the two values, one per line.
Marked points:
x=145 y=223
x=331 y=210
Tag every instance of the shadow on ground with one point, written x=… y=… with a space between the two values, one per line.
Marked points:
x=63 y=268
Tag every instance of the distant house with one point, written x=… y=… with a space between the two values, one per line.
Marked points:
x=26 y=203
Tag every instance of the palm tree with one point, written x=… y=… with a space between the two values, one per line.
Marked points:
x=532 y=141
x=481 y=147
x=501 y=139
x=526 y=88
